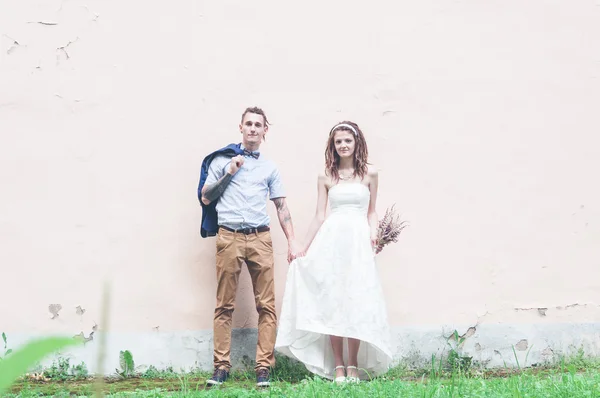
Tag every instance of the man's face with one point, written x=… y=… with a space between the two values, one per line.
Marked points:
x=253 y=130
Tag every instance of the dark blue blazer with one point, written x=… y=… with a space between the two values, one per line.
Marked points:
x=209 y=225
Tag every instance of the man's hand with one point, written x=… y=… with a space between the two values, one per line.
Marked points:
x=236 y=164
x=283 y=213
x=214 y=191
x=294 y=251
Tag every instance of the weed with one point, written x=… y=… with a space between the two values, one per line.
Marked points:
x=126 y=363
x=6 y=351
x=289 y=369
x=456 y=361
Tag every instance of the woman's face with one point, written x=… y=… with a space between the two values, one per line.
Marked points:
x=344 y=143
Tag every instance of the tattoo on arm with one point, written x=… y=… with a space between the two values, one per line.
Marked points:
x=215 y=190
x=285 y=219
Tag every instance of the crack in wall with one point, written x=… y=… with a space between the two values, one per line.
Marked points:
x=63 y=50
x=96 y=15
x=543 y=310
x=13 y=47
x=45 y=23
x=576 y=305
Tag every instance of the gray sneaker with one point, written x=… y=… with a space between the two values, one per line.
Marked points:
x=218 y=377
x=263 y=378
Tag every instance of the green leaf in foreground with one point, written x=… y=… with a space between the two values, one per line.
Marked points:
x=25 y=357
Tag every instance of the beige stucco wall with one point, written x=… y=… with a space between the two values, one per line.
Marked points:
x=481 y=116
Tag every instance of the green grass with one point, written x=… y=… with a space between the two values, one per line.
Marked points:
x=567 y=385
x=565 y=380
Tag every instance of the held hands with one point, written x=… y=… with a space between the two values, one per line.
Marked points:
x=236 y=164
x=294 y=251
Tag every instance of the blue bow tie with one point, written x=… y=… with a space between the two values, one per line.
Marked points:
x=255 y=155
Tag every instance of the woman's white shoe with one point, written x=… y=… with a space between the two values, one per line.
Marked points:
x=340 y=379
x=352 y=379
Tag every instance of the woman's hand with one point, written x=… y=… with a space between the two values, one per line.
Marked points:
x=374 y=242
x=304 y=249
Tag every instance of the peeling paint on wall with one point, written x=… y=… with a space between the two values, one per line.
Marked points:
x=470 y=332
x=548 y=351
x=54 y=310
x=540 y=311
x=522 y=345
x=81 y=336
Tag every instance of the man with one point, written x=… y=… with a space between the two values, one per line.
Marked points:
x=238 y=179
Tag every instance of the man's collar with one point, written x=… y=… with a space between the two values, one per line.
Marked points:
x=254 y=154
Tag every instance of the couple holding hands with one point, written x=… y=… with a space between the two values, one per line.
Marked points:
x=332 y=292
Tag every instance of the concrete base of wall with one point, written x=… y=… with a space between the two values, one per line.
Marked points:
x=490 y=346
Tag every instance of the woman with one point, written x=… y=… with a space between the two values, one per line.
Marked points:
x=333 y=292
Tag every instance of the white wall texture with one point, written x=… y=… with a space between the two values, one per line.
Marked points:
x=482 y=117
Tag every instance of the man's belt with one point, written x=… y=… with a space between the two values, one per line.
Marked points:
x=247 y=231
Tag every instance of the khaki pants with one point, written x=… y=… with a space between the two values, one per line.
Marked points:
x=257 y=251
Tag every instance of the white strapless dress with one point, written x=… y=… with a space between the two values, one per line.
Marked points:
x=335 y=290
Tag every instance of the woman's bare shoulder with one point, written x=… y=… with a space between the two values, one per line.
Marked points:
x=372 y=171
x=324 y=179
